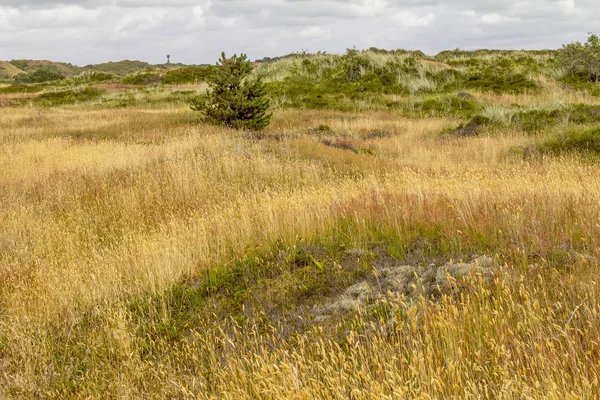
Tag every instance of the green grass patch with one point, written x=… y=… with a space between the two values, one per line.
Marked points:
x=92 y=77
x=143 y=78
x=585 y=142
x=187 y=75
x=124 y=67
x=66 y=97
x=21 y=88
x=459 y=105
x=40 y=75
x=497 y=81
x=537 y=121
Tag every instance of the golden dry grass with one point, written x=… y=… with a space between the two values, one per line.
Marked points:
x=103 y=208
x=8 y=70
x=553 y=95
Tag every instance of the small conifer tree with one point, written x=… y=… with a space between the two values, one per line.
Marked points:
x=233 y=99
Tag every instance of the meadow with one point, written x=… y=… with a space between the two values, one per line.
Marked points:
x=146 y=254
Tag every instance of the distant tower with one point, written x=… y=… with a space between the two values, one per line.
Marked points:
x=168 y=59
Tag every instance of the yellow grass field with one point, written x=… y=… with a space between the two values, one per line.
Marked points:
x=145 y=255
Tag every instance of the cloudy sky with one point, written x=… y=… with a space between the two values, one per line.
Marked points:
x=196 y=31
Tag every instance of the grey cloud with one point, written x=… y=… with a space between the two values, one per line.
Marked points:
x=51 y=4
x=196 y=31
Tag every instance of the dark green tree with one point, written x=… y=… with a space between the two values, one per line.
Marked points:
x=582 y=59
x=234 y=99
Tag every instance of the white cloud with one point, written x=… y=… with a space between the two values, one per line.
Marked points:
x=368 y=8
x=315 y=32
x=409 y=19
x=569 y=7
x=494 y=19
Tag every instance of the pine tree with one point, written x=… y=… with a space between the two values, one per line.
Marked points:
x=234 y=99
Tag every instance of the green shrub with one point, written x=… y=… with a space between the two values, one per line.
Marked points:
x=500 y=74
x=302 y=92
x=584 y=114
x=234 y=99
x=497 y=81
x=144 y=78
x=450 y=105
x=21 y=64
x=447 y=80
x=535 y=121
x=480 y=120
x=125 y=67
x=40 y=75
x=21 y=88
x=582 y=61
x=66 y=97
x=92 y=77
x=187 y=75
x=585 y=142
x=474 y=127
x=354 y=65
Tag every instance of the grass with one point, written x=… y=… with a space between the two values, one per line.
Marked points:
x=146 y=255
x=8 y=70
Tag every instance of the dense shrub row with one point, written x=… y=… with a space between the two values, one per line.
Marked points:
x=40 y=75
x=66 y=97
x=335 y=81
x=187 y=75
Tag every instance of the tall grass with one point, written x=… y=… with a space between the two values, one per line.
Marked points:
x=113 y=222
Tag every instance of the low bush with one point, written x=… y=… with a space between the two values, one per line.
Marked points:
x=536 y=121
x=580 y=82
x=92 y=77
x=474 y=127
x=66 y=97
x=40 y=75
x=584 y=114
x=21 y=88
x=187 y=75
x=323 y=129
x=500 y=74
x=585 y=142
x=125 y=67
x=500 y=82
x=300 y=92
x=449 y=105
x=144 y=78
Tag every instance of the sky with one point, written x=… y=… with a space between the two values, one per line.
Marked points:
x=196 y=31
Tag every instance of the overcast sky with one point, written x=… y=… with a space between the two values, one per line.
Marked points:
x=196 y=31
